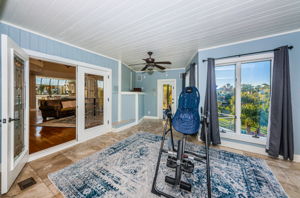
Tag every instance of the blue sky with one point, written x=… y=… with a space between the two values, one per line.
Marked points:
x=254 y=73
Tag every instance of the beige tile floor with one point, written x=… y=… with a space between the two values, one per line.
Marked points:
x=288 y=173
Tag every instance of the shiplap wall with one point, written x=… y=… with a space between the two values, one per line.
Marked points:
x=128 y=107
x=28 y=40
x=127 y=78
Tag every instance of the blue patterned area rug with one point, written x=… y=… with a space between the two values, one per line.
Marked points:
x=126 y=169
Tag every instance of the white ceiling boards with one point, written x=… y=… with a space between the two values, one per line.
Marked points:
x=172 y=29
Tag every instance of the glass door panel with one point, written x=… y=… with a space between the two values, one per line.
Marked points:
x=255 y=97
x=225 y=81
x=14 y=112
x=94 y=100
x=167 y=96
x=19 y=106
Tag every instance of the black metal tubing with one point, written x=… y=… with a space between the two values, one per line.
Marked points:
x=154 y=189
x=208 y=182
x=251 y=53
x=182 y=149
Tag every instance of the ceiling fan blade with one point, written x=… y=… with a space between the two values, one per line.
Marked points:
x=160 y=67
x=163 y=62
x=144 y=68
x=137 y=64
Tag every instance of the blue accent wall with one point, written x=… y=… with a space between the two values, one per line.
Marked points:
x=260 y=45
x=126 y=75
x=45 y=45
x=141 y=98
x=148 y=84
x=128 y=107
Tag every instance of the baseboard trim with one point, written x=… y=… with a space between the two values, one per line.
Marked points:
x=252 y=149
x=127 y=126
x=151 y=117
x=124 y=127
x=297 y=158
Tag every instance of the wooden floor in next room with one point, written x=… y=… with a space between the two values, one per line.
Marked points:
x=44 y=137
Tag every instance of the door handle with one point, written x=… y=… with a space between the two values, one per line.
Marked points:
x=13 y=119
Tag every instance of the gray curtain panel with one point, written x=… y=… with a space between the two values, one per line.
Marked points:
x=281 y=138
x=192 y=74
x=183 y=81
x=210 y=105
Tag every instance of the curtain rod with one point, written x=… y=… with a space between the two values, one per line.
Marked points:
x=189 y=68
x=238 y=55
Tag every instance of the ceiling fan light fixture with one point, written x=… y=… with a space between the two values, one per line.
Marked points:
x=150 y=63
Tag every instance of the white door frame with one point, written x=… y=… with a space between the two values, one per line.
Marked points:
x=160 y=94
x=11 y=167
x=85 y=134
x=70 y=62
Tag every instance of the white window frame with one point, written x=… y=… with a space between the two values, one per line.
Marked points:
x=238 y=61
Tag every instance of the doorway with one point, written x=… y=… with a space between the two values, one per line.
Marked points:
x=166 y=96
x=55 y=92
x=95 y=94
x=52 y=104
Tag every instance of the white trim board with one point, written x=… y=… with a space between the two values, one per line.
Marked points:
x=51 y=38
x=119 y=90
x=127 y=126
x=61 y=60
x=251 y=149
x=248 y=40
x=132 y=92
x=151 y=117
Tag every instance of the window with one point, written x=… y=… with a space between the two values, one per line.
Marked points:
x=54 y=86
x=243 y=97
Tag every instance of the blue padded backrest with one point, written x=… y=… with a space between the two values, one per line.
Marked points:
x=186 y=119
x=189 y=98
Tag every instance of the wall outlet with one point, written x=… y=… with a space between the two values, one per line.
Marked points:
x=149 y=112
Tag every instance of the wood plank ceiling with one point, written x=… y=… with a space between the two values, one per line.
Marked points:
x=172 y=29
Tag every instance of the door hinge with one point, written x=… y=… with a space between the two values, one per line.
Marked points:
x=108 y=76
x=107 y=99
x=107 y=121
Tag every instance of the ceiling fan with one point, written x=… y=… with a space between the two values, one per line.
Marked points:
x=150 y=63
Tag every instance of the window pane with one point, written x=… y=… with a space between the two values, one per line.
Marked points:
x=19 y=107
x=255 y=97
x=54 y=86
x=94 y=100
x=225 y=81
x=46 y=81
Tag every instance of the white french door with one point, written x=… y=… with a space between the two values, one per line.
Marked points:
x=166 y=96
x=94 y=102
x=14 y=112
